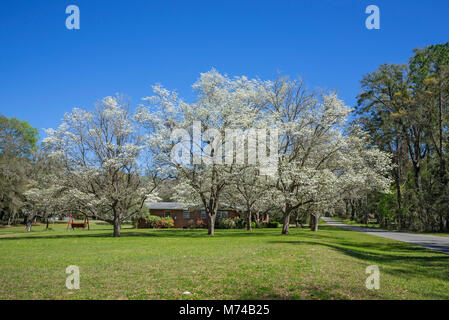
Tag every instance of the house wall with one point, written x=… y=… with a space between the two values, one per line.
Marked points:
x=195 y=215
x=177 y=216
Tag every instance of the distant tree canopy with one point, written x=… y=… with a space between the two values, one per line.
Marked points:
x=18 y=141
x=405 y=109
x=17 y=138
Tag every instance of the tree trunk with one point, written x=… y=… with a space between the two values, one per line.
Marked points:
x=312 y=222
x=248 y=222
x=399 y=201
x=440 y=131
x=266 y=217
x=353 y=212
x=117 y=226
x=286 y=222
x=211 y=224
x=417 y=172
x=442 y=223
x=317 y=222
x=29 y=224
x=347 y=209
x=397 y=173
x=257 y=219
x=418 y=185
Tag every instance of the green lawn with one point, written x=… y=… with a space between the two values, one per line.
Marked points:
x=234 y=264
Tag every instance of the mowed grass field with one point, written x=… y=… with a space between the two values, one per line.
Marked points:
x=234 y=264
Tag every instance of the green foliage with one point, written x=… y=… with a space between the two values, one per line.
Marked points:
x=17 y=138
x=240 y=223
x=386 y=207
x=272 y=224
x=191 y=224
x=225 y=223
x=405 y=110
x=196 y=224
x=151 y=221
x=144 y=214
x=17 y=144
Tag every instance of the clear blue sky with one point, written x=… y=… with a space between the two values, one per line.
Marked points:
x=126 y=46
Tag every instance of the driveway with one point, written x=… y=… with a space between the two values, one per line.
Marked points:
x=430 y=242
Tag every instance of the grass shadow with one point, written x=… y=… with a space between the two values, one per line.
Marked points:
x=394 y=258
x=153 y=233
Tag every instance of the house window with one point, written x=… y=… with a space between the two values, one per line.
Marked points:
x=222 y=214
x=186 y=215
x=203 y=214
x=167 y=214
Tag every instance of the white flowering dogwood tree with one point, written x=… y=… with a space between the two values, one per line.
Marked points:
x=215 y=148
x=196 y=140
x=249 y=191
x=314 y=159
x=317 y=160
x=355 y=171
x=104 y=154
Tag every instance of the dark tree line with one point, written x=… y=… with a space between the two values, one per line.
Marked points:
x=18 y=146
x=405 y=109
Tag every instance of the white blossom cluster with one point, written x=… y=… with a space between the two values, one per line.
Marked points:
x=112 y=157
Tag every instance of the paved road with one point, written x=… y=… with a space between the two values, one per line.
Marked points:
x=430 y=242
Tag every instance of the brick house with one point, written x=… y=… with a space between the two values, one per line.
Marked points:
x=183 y=216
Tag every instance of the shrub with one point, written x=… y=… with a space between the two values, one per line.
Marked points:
x=152 y=221
x=245 y=224
x=239 y=223
x=272 y=224
x=142 y=223
x=138 y=219
x=200 y=223
x=166 y=222
x=135 y=220
x=191 y=224
x=155 y=222
x=225 y=223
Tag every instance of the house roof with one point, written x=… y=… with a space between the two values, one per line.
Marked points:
x=166 y=205
x=220 y=208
